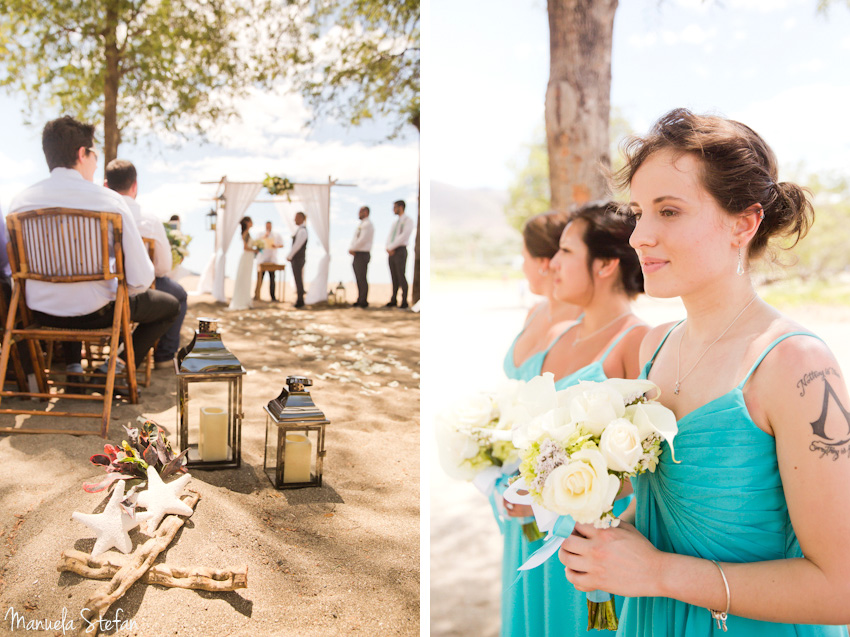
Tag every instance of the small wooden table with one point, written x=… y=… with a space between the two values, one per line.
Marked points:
x=280 y=281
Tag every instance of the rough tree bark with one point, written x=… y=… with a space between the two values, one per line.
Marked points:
x=414 y=296
x=111 y=133
x=578 y=98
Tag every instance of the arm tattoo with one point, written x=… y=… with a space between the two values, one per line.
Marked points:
x=812 y=375
x=823 y=443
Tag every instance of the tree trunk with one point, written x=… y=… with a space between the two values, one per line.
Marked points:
x=414 y=296
x=111 y=133
x=578 y=99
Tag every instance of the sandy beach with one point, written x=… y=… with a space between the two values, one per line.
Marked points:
x=338 y=560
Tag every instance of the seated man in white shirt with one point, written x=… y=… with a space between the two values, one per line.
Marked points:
x=121 y=177
x=72 y=160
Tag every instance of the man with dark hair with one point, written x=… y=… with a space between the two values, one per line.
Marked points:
x=361 y=250
x=69 y=149
x=298 y=255
x=122 y=178
x=397 y=251
x=268 y=254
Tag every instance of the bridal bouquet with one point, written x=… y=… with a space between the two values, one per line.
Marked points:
x=179 y=243
x=575 y=456
x=474 y=437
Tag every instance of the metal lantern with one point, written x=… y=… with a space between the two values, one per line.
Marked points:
x=295 y=437
x=340 y=294
x=212 y=217
x=209 y=367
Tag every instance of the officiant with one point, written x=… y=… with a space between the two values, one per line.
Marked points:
x=271 y=242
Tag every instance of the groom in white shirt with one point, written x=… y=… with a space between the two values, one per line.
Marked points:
x=72 y=160
x=397 y=251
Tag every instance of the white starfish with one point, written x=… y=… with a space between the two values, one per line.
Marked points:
x=111 y=526
x=161 y=499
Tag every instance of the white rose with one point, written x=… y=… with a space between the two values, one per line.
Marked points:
x=454 y=447
x=583 y=488
x=621 y=445
x=532 y=399
x=593 y=405
x=652 y=418
x=476 y=412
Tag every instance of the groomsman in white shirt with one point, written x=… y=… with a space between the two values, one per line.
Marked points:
x=361 y=248
x=121 y=177
x=72 y=160
x=397 y=251
x=298 y=255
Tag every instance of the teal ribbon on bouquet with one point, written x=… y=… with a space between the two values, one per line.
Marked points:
x=496 y=480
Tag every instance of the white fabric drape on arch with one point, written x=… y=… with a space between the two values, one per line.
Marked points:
x=237 y=198
x=314 y=201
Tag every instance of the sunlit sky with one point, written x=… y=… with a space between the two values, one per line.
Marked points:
x=270 y=138
x=775 y=65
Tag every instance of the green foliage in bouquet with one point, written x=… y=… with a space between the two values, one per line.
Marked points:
x=278 y=185
x=179 y=243
x=147 y=446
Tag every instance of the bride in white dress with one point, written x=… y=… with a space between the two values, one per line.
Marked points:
x=242 y=288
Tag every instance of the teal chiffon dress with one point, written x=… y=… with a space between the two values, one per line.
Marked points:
x=543 y=603
x=723 y=502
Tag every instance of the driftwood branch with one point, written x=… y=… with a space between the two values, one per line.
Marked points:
x=197 y=578
x=138 y=563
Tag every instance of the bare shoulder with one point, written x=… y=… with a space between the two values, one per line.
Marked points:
x=652 y=338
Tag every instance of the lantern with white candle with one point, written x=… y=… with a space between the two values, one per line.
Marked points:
x=209 y=422
x=295 y=437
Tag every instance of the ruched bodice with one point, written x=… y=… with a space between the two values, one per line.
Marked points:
x=723 y=501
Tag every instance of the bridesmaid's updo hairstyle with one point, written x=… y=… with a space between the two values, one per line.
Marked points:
x=243 y=222
x=606 y=235
x=738 y=170
x=541 y=233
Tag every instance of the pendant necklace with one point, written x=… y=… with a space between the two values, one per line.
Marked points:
x=580 y=339
x=680 y=379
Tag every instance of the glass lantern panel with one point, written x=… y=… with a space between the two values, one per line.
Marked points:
x=210 y=418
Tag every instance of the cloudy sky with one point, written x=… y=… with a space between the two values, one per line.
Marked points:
x=270 y=138
x=776 y=65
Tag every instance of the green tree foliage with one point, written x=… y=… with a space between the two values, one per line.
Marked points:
x=355 y=60
x=133 y=65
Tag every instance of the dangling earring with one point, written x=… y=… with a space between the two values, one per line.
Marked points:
x=740 y=269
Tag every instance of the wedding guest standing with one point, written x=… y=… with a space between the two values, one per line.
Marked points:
x=273 y=241
x=397 y=251
x=747 y=527
x=121 y=177
x=361 y=250
x=298 y=255
x=69 y=150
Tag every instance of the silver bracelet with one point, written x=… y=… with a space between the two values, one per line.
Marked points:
x=719 y=617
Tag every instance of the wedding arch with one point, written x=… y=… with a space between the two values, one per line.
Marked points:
x=233 y=198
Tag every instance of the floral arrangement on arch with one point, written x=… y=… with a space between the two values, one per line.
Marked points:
x=278 y=185
x=179 y=243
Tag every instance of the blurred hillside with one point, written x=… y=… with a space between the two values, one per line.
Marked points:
x=470 y=235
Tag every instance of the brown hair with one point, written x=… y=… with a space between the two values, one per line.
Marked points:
x=606 y=236
x=541 y=233
x=120 y=175
x=61 y=139
x=738 y=170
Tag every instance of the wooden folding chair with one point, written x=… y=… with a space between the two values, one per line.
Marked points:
x=63 y=245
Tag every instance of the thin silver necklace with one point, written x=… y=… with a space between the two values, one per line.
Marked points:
x=580 y=339
x=680 y=379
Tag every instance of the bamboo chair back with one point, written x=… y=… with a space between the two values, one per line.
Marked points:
x=65 y=245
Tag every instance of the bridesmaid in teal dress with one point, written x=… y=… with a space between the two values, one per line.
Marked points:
x=522 y=603
x=747 y=529
x=596 y=269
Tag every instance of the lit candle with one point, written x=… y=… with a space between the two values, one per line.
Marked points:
x=212 y=443
x=296 y=464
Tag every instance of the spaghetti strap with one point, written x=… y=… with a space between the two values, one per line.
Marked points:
x=616 y=342
x=768 y=350
x=660 y=345
x=531 y=318
x=559 y=336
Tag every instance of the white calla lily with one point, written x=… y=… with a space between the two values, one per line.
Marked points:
x=633 y=389
x=654 y=418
